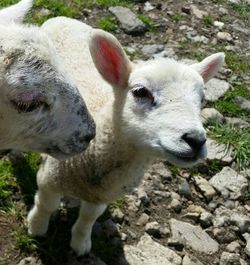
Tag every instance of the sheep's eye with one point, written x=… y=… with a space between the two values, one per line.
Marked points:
x=27 y=106
x=143 y=93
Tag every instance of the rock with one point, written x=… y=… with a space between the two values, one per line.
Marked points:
x=206 y=219
x=117 y=215
x=148 y=252
x=148 y=7
x=229 y=259
x=150 y=50
x=184 y=189
x=205 y=187
x=44 y=12
x=223 y=235
x=247 y=248
x=176 y=205
x=190 y=260
x=153 y=229
x=143 y=219
x=233 y=247
x=211 y=113
x=237 y=122
x=229 y=183
x=197 y=38
x=218 y=151
x=219 y=24
x=197 y=12
x=128 y=20
x=215 y=89
x=168 y=52
x=224 y=36
x=242 y=103
x=143 y=196
x=161 y=170
x=132 y=203
x=30 y=261
x=186 y=9
x=193 y=237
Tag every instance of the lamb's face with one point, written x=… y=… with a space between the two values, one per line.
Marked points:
x=40 y=107
x=162 y=111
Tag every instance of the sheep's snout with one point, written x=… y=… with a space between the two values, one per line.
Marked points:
x=196 y=140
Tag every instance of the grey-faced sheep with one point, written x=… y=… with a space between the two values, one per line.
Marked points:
x=41 y=108
x=142 y=112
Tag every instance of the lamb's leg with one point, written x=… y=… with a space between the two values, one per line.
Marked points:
x=81 y=231
x=38 y=218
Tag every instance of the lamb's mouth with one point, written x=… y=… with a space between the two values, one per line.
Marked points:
x=175 y=157
x=57 y=153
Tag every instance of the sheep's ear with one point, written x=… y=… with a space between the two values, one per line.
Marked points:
x=15 y=13
x=109 y=58
x=210 y=65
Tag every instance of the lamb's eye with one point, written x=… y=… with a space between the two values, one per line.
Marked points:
x=142 y=93
x=27 y=106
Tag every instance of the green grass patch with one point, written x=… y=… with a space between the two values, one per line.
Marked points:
x=208 y=20
x=227 y=106
x=108 y=3
x=148 y=22
x=242 y=8
x=237 y=63
x=176 y=17
x=108 y=23
x=235 y=138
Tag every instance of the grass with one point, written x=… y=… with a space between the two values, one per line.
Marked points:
x=242 y=8
x=237 y=63
x=108 y=3
x=176 y=17
x=148 y=22
x=108 y=23
x=208 y=20
x=235 y=138
x=227 y=106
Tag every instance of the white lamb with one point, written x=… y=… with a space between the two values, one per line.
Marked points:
x=40 y=106
x=151 y=111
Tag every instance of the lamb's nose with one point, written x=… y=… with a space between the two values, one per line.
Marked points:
x=195 y=140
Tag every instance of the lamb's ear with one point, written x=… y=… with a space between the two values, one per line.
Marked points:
x=15 y=13
x=210 y=65
x=109 y=58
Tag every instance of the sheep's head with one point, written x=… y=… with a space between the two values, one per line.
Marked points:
x=40 y=107
x=160 y=100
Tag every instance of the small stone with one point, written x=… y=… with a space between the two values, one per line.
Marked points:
x=132 y=203
x=195 y=209
x=117 y=215
x=219 y=24
x=143 y=219
x=197 y=12
x=186 y=9
x=143 y=196
x=233 y=247
x=193 y=236
x=247 y=248
x=149 y=50
x=153 y=228
x=218 y=151
x=184 y=189
x=223 y=235
x=132 y=234
x=215 y=89
x=128 y=20
x=224 y=36
x=242 y=103
x=148 y=7
x=237 y=122
x=123 y=236
x=30 y=261
x=176 y=205
x=229 y=259
x=229 y=183
x=205 y=187
x=149 y=252
x=211 y=114
x=44 y=12
x=206 y=219
x=192 y=216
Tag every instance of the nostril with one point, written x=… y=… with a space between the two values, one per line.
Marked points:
x=195 y=140
x=89 y=137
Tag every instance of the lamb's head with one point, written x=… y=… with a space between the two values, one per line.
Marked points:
x=40 y=107
x=157 y=103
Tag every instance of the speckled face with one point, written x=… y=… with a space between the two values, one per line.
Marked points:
x=41 y=108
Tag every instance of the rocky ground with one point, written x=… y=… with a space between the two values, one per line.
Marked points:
x=177 y=216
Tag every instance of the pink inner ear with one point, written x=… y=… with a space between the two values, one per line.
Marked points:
x=210 y=68
x=111 y=60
